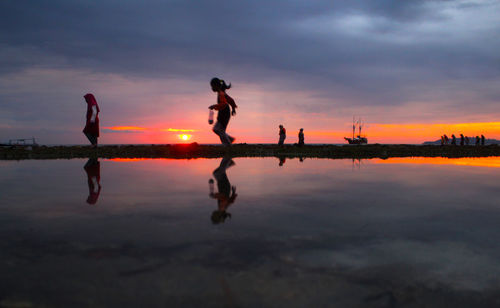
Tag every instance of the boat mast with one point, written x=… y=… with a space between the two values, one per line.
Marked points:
x=353 y=127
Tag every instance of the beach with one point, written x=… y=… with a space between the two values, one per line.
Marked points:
x=195 y=150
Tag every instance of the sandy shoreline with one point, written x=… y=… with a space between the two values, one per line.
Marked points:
x=186 y=151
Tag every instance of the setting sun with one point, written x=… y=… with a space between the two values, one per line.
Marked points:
x=184 y=137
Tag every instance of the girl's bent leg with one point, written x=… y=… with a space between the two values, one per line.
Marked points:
x=221 y=132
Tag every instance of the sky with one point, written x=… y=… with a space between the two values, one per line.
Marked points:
x=412 y=70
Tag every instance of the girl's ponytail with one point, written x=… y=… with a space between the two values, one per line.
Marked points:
x=224 y=86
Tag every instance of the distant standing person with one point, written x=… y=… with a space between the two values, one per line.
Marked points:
x=224 y=102
x=483 y=140
x=461 y=139
x=453 y=139
x=91 y=129
x=282 y=135
x=446 y=139
x=301 y=137
x=478 y=140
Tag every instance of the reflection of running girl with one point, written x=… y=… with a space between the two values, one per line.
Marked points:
x=227 y=193
x=93 y=169
x=224 y=112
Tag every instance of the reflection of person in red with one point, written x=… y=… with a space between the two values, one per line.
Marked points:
x=93 y=169
x=91 y=129
x=227 y=193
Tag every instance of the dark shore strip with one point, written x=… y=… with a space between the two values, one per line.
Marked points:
x=186 y=151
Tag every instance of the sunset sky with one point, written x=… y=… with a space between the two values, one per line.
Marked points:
x=413 y=70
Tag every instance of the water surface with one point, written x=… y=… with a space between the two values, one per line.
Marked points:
x=267 y=232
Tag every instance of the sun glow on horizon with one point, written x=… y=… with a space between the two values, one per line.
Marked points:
x=184 y=137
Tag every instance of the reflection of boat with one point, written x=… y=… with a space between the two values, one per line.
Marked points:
x=357 y=139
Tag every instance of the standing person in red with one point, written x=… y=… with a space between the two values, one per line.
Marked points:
x=91 y=129
x=224 y=101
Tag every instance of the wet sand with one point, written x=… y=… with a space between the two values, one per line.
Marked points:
x=195 y=150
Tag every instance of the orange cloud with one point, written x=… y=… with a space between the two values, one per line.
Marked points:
x=429 y=132
x=126 y=128
x=178 y=130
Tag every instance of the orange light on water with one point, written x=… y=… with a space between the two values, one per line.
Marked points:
x=184 y=137
x=492 y=162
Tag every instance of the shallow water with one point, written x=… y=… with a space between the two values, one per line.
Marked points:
x=401 y=232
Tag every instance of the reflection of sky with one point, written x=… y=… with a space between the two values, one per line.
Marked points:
x=429 y=223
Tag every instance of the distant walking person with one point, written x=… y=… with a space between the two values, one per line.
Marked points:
x=442 y=140
x=461 y=139
x=478 y=140
x=224 y=101
x=282 y=135
x=483 y=140
x=91 y=129
x=301 y=137
x=453 y=139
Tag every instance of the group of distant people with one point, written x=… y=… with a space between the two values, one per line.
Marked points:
x=282 y=134
x=464 y=140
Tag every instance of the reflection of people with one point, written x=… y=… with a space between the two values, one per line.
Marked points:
x=227 y=193
x=282 y=161
x=93 y=169
x=224 y=101
x=282 y=134
x=91 y=129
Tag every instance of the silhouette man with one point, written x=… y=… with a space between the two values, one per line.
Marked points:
x=282 y=135
x=301 y=137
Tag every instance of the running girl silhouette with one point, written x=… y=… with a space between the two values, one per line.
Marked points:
x=224 y=101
